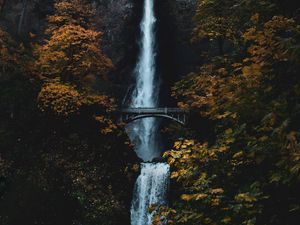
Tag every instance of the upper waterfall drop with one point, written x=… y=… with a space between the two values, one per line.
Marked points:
x=145 y=92
x=145 y=95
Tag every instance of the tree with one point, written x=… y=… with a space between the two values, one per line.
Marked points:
x=224 y=21
x=72 y=54
x=76 y=12
x=251 y=93
x=8 y=53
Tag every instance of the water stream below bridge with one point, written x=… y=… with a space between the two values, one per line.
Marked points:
x=152 y=184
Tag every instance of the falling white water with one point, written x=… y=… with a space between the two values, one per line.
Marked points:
x=150 y=190
x=145 y=95
x=151 y=186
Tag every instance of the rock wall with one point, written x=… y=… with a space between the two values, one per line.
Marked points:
x=22 y=17
x=118 y=20
x=177 y=56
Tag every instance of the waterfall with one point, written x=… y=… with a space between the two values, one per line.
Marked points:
x=151 y=189
x=151 y=186
x=143 y=132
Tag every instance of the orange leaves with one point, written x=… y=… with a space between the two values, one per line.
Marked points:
x=72 y=53
x=255 y=18
x=63 y=101
x=252 y=70
x=195 y=197
x=9 y=52
x=100 y=100
x=77 y=12
x=69 y=63
x=271 y=41
x=245 y=197
x=222 y=88
x=60 y=100
x=251 y=92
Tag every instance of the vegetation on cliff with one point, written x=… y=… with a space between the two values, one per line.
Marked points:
x=249 y=88
x=62 y=158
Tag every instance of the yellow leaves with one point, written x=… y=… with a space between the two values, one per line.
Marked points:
x=100 y=119
x=226 y=220
x=183 y=105
x=59 y=99
x=72 y=53
x=64 y=100
x=189 y=142
x=215 y=202
x=186 y=197
x=224 y=115
x=245 y=197
x=102 y=101
x=183 y=144
x=171 y=161
x=194 y=197
x=177 y=144
x=237 y=155
x=255 y=18
x=250 y=34
x=217 y=191
x=173 y=154
x=9 y=52
x=109 y=129
x=174 y=174
x=228 y=131
x=76 y=12
x=223 y=149
x=179 y=173
x=263 y=138
x=270 y=44
x=252 y=70
x=136 y=167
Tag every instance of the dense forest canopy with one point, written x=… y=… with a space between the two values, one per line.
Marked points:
x=249 y=87
x=64 y=158
x=59 y=161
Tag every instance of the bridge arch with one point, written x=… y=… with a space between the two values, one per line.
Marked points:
x=178 y=115
x=138 y=117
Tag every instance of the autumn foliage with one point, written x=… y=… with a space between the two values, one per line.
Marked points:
x=62 y=155
x=249 y=87
x=60 y=99
x=9 y=52
x=75 y=12
x=69 y=60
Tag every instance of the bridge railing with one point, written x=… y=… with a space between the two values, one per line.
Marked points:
x=155 y=110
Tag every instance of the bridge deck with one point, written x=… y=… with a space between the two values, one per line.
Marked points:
x=155 y=111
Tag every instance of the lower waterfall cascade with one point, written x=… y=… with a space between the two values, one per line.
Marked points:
x=151 y=189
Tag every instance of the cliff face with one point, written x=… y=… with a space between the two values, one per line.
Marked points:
x=175 y=33
x=118 y=20
x=177 y=56
x=21 y=17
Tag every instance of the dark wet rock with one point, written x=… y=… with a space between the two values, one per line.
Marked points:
x=158 y=160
